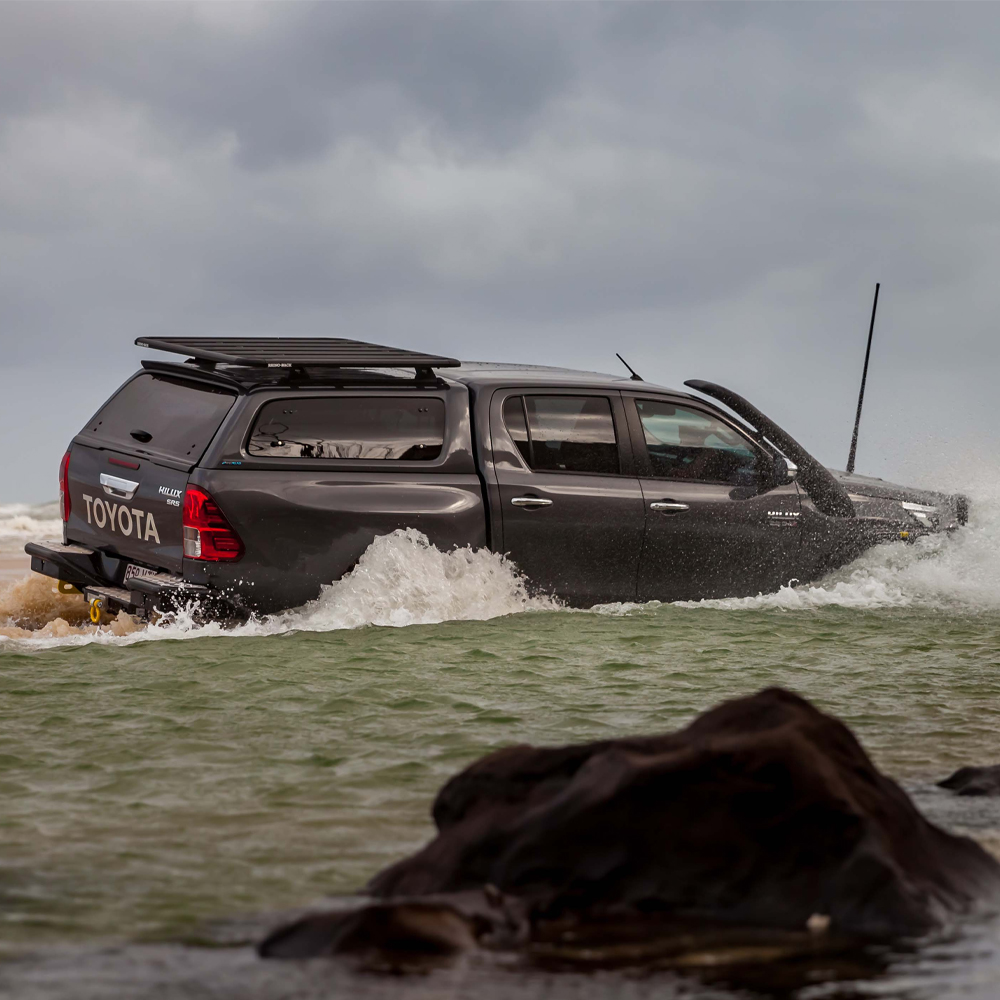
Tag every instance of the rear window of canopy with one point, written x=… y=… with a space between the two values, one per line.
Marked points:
x=159 y=415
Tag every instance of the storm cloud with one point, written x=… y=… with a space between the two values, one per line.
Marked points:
x=711 y=190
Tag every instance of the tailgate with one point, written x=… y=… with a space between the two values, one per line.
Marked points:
x=128 y=468
x=126 y=505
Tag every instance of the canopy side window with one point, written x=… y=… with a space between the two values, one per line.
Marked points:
x=392 y=428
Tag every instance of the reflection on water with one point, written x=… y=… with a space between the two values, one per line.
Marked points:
x=965 y=964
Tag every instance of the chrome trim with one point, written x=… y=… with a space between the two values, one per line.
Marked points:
x=919 y=507
x=668 y=505
x=530 y=502
x=115 y=487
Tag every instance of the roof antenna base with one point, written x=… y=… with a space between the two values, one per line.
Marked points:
x=635 y=376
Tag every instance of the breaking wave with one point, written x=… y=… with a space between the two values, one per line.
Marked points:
x=23 y=522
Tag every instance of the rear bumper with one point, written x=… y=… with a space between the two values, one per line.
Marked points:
x=143 y=596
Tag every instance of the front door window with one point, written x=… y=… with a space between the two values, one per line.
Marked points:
x=684 y=443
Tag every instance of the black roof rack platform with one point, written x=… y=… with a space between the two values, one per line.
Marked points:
x=295 y=352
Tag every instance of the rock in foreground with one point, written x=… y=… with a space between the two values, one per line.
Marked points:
x=763 y=813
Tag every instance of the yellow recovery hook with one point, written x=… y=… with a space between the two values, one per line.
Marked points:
x=96 y=606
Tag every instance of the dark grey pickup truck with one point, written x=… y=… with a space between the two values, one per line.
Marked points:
x=243 y=479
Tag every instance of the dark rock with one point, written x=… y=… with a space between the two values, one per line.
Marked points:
x=974 y=781
x=415 y=926
x=410 y=928
x=763 y=813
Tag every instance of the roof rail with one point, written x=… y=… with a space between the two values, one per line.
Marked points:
x=296 y=353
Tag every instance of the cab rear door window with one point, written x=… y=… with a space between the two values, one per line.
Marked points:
x=350 y=427
x=564 y=433
x=685 y=443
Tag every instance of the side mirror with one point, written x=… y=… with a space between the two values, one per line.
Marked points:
x=785 y=471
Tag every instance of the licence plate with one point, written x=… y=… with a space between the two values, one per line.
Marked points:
x=132 y=571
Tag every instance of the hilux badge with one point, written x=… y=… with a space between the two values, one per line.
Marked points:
x=173 y=496
x=783 y=518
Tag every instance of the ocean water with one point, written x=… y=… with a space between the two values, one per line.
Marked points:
x=171 y=787
x=22 y=522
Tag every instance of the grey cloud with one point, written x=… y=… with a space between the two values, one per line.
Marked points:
x=300 y=77
x=712 y=189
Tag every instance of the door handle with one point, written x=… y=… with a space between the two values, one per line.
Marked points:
x=668 y=505
x=115 y=487
x=530 y=502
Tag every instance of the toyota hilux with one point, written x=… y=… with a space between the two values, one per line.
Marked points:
x=241 y=480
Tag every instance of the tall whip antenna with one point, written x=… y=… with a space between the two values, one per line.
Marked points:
x=864 y=378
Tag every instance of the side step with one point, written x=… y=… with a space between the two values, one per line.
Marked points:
x=110 y=600
x=145 y=596
x=167 y=592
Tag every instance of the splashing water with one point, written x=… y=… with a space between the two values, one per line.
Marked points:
x=404 y=580
x=33 y=602
x=960 y=570
x=400 y=580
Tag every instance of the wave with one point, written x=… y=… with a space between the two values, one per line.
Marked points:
x=23 y=522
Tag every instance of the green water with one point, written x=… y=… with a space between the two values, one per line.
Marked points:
x=159 y=784
x=149 y=787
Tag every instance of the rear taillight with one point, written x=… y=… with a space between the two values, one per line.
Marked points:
x=207 y=533
x=64 y=502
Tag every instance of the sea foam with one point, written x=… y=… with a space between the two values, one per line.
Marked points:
x=23 y=522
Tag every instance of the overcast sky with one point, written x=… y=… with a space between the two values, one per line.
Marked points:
x=711 y=190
